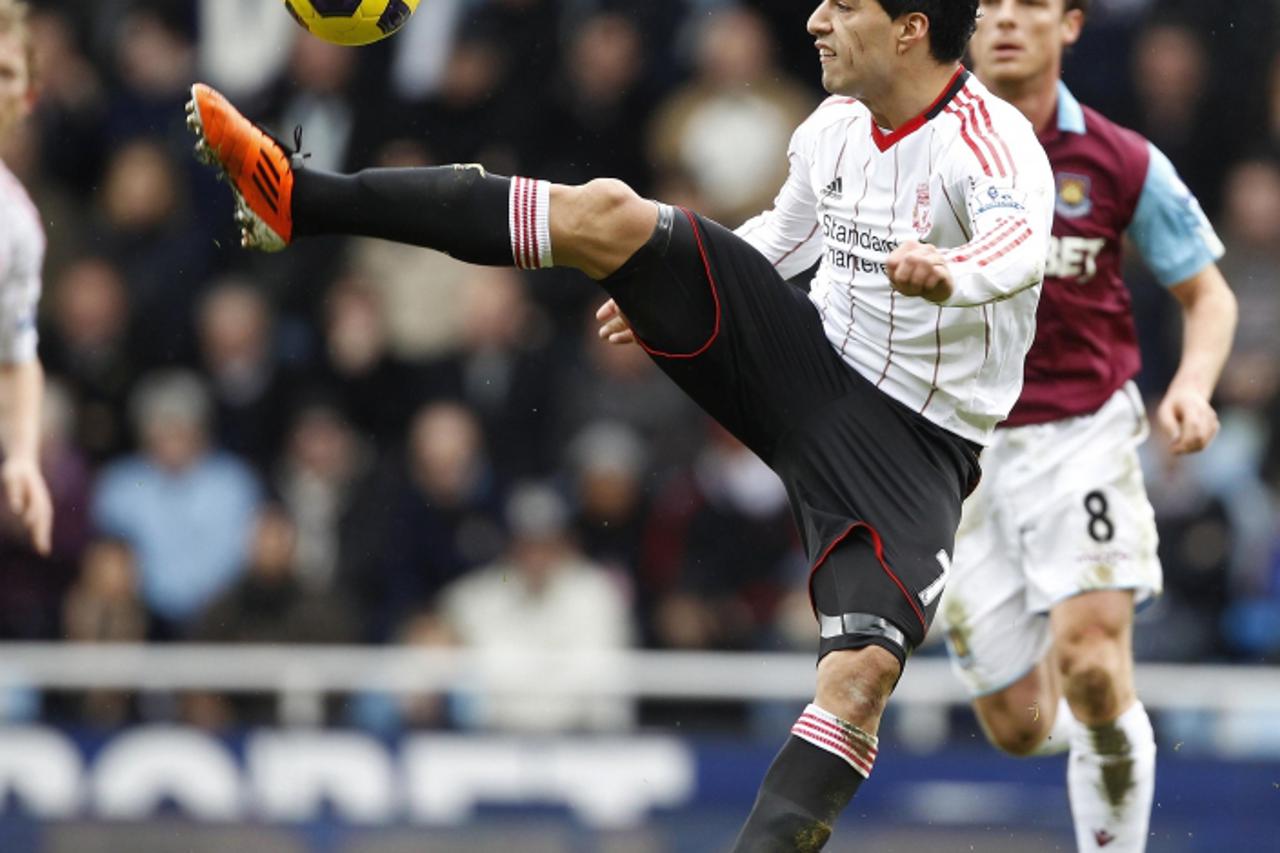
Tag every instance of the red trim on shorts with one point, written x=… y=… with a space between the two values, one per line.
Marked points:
x=878 y=545
x=715 y=296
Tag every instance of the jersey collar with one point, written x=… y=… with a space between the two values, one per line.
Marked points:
x=1070 y=113
x=885 y=141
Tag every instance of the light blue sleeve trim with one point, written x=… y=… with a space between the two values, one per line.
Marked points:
x=1169 y=227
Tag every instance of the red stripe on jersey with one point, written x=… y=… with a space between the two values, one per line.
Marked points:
x=888 y=359
x=982 y=135
x=991 y=259
x=832 y=745
x=995 y=134
x=1018 y=230
x=853 y=271
x=985 y=139
x=973 y=146
x=893 y=294
x=973 y=252
x=796 y=247
x=937 y=358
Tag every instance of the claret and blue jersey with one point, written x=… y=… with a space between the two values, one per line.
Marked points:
x=1109 y=181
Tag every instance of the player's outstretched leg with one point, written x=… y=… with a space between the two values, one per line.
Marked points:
x=462 y=210
x=831 y=751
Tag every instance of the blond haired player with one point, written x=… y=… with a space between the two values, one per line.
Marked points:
x=1058 y=543
x=21 y=257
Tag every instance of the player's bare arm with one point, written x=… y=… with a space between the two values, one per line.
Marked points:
x=21 y=387
x=1186 y=415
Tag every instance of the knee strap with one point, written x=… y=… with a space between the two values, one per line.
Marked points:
x=849 y=628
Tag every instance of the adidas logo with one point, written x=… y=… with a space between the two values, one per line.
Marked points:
x=267 y=179
x=834 y=189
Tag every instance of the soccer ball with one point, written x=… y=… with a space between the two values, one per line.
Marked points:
x=351 y=22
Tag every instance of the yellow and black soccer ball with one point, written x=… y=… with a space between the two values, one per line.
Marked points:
x=351 y=22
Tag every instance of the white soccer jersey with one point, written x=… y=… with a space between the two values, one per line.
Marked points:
x=22 y=244
x=967 y=176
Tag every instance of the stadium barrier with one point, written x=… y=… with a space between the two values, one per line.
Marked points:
x=302 y=671
x=298 y=787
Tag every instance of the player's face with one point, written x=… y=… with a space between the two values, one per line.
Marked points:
x=15 y=81
x=855 y=41
x=1021 y=40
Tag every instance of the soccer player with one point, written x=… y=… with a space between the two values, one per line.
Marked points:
x=21 y=258
x=1058 y=543
x=928 y=203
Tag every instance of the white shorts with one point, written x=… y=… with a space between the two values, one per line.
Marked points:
x=1061 y=510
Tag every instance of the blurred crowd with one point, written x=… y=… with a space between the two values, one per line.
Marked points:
x=355 y=441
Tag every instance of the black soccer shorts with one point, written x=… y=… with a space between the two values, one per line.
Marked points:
x=875 y=488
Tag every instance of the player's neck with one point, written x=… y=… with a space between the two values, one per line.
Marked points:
x=910 y=95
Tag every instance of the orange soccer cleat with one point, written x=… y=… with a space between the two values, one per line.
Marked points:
x=254 y=163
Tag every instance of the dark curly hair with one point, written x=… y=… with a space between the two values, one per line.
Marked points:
x=951 y=23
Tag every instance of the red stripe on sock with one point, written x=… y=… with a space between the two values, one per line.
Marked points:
x=517 y=237
x=533 y=227
x=821 y=741
x=526 y=230
x=838 y=731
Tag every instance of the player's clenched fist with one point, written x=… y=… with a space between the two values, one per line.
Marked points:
x=918 y=269
x=1188 y=419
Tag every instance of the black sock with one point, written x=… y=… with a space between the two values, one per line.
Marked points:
x=801 y=797
x=462 y=211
